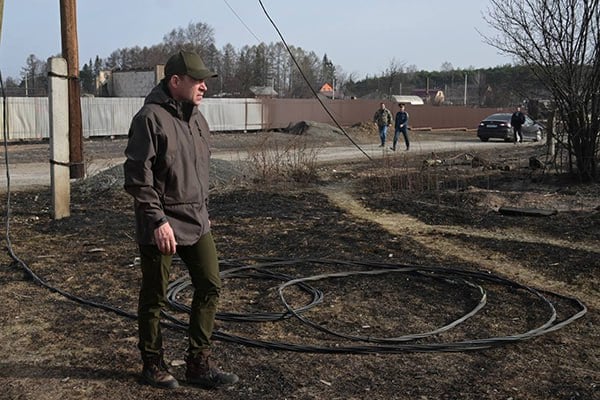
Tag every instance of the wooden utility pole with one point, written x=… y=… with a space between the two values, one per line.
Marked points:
x=68 y=25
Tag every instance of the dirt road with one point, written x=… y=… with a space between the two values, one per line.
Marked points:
x=28 y=164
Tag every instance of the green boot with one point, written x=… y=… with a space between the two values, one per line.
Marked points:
x=156 y=373
x=201 y=371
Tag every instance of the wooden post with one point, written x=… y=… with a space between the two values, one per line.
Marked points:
x=68 y=24
x=58 y=102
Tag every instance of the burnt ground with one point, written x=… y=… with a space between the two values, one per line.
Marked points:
x=347 y=227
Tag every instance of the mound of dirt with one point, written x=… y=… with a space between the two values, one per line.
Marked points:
x=312 y=128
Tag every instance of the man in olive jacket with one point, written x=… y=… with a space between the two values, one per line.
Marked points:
x=166 y=172
x=383 y=119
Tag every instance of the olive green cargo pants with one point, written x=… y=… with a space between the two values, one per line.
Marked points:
x=203 y=266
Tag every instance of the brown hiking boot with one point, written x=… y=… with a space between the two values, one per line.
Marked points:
x=156 y=373
x=201 y=371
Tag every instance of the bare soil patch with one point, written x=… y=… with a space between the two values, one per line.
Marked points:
x=355 y=218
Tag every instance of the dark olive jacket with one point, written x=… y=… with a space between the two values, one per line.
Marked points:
x=167 y=166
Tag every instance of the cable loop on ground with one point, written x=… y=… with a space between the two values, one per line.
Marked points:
x=399 y=344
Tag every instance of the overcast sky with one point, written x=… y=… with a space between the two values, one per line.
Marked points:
x=362 y=36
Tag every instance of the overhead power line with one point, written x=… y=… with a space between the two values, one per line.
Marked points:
x=242 y=21
x=309 y=85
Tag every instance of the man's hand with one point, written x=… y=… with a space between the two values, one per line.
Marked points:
x=165 y=239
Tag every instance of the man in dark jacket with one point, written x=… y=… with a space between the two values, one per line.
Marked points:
x=401 y=125
x=166 y=172
x=517 y=120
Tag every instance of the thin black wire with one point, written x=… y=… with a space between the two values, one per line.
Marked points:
x=182 y=283
x=36 y=279
x=404 y=338
x=308 y=83
x=242 y=21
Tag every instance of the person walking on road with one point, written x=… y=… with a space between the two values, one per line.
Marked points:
x=167 y=174
x=517 y=120
x=401 y=125
x=383 y=119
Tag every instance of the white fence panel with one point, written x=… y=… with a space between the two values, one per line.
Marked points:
x=104 y=116
x=232 y=114
x=111 y=116
x=27 y=117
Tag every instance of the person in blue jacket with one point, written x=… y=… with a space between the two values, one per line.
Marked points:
x=401 y=125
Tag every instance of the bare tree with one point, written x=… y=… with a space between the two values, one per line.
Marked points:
x=559 y=40
x=34 y=77
x=244 y=71
x=342 y=78
x=229 y=61
x=394 y=76
x=327 y=72
x=300 y=83
x=197 y=36
x=260 y=67
x=447 y=66
x=278 y=61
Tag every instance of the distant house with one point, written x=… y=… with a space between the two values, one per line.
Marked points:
x=327 y=92
x=326 y=88
x=430 y=96
x=128 y=83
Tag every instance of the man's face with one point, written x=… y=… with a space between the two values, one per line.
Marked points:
x=187 y=89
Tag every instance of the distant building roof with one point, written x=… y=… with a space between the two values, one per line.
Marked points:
x=414 y=100
x=326 y=88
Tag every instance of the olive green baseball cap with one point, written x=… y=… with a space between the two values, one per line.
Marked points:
x=188 y=63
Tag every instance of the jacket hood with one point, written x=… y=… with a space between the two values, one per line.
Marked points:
x=160 y=95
